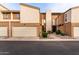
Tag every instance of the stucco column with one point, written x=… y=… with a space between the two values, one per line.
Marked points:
x=10 y=26
x=11 y=16
x=48 y=21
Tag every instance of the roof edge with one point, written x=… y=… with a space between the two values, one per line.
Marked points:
x=4 y=6
x=29 y=6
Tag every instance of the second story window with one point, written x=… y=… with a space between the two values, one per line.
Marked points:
x=6 y=16
x=16 y=15
x=65 y=17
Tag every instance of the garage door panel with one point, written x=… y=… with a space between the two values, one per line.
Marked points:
x=3 y=31
x=76 y=31
x=24 y=31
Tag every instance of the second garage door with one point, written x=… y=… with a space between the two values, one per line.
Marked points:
x=76 y=31
x=3 y=31
x=24 y=31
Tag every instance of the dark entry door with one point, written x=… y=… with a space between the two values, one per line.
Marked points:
x=54 y=28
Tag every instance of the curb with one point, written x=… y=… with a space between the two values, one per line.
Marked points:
x=39 y=39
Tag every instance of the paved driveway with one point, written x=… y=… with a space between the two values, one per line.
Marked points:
x=39 y=48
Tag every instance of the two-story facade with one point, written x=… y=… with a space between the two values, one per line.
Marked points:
x=71 y=22
x=67 y=22
x=57 y=21
x=29 y=22
x=20 y=23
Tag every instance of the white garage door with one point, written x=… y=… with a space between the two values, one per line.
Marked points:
x=76 y=31
x=24 y=31
x=3 y=31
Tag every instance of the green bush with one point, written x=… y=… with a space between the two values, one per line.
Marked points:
x=58 y=32
x=49 y=32
x=62 y=33
x=44 y=34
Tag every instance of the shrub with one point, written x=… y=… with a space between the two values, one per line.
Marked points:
x=62 y=33
x=58 y=32
x=44 y=34
x=49 y=32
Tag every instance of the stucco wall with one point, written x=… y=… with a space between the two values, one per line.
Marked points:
x=75 y=15
x=67 y=28
x=67 y=16
x=48 y=21
x=54 y=18
x=61 y=22
x=43 y=18
x=61 y=19
x=2 y=8
x=29 y=15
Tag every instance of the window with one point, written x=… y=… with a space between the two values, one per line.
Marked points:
x=6 y=16
x=16 y=16
x=65 y=17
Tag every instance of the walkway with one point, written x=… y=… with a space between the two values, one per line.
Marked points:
x=55 y=36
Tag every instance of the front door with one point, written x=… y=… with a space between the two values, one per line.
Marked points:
x=54 y=28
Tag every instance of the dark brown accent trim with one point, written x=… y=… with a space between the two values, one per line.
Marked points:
x=75 y=24
x=18 y=24
x=10 y=11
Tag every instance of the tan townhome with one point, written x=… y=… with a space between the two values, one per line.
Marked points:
x=29 y=22
x=20 y=23
x=57 y=21
x=71 y=22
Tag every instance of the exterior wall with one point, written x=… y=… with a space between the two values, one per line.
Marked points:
x=31 y=22
x=75 y=15
x=54 y=18
x=67 y=16
x=29 y=14
x=30 y=17
x=43 y=18
x=48 y=21
x=72 y=22
x=61 y=19
x=2 y=8
x=67 y=28
x=61 y=22
x=67 y=23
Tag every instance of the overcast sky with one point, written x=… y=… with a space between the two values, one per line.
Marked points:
x=55 y=7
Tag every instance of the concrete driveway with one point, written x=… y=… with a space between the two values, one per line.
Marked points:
x=39 y=48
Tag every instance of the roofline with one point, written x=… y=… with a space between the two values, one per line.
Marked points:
x=29 y=6
x=11 y=11
x=71 y=8
x=75 y=7
x=4 y=6
x=67 y=10
x=52 y=13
